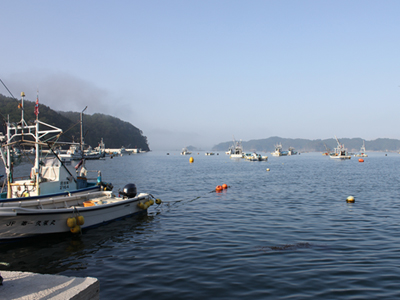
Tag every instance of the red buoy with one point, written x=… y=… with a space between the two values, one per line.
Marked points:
x=360 y=160
x=218 y=188
x=224 y=186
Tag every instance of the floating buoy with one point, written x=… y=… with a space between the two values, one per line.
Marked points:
x=151 y=201
x=218 y=188
x=140 y=205
x=158 y=201
x=191 y=159
x=147 y=203
x=76 y=229
x=360 y=160
x=71 y=222
x=80 y=220
x=350 y=199
x=224 y=186
x=268 y=169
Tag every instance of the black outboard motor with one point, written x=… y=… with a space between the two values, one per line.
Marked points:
x=129 y=191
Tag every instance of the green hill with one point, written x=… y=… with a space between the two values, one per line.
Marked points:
x=115 y=132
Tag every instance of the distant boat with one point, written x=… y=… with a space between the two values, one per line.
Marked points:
x=278 y=151
x=185 y=151
x=362 y=151
x=255 y=157
x=339 y=152
x=291 y=151
x=210 y=153
x=236 y=150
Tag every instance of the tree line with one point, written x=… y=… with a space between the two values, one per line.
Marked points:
x=114 y=132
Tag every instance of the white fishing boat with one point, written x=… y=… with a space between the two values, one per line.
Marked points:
x=20 y=219
x=340 y=152
x=278 y=151
x=101 y=148
x=50 y=173
x=291 y=151
x=51 y=199
x=185 y=151
x=255 y=157
x=236 y=150
x=362 y=151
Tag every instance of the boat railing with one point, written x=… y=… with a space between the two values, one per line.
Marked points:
x=58 y=202
x=98 y=178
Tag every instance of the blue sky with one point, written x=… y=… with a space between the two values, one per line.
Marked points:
x=200 y=72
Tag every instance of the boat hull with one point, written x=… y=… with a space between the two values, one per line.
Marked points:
x=340 y=157
x=19 y=222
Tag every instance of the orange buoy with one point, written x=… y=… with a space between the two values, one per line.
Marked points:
x=224 y=186
x=360 y=160
x=218 y=188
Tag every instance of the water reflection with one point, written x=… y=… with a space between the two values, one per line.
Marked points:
x=52 y=254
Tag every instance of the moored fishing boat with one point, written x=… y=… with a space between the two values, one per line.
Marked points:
x=50 y=173
x=362 y=151
x=255 y=157
x=291 y=151
x=339 y=152
x=236 y=150
x=57 y=214
x=278 y=151
x=47 y=200
x=185 y=151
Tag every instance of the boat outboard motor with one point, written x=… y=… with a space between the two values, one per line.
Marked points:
x=129 y=191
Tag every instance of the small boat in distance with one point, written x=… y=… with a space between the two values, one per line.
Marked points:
x=236 y=150
x=255 y=157
x=291 y=151
x=362 y=151
x=185 y=151
x=339 y=152
x=278 y=151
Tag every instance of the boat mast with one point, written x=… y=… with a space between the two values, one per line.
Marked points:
x=82 y=142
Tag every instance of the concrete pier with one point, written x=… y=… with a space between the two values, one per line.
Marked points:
x=31 y=286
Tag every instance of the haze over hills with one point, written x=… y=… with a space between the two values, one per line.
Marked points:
x=115 y=132
x=304 y=145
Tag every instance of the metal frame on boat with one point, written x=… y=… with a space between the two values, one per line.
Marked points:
x=52 y=199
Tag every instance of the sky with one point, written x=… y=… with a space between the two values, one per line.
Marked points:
x=198 y=73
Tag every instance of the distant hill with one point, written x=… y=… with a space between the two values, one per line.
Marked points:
x=115 y=132
x=304 y=145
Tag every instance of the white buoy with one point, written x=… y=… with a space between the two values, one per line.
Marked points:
x=350 y=199
x=268 y=169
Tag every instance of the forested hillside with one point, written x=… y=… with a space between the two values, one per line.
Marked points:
x=115 y=132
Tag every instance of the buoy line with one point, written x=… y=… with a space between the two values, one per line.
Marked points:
x=170 y=203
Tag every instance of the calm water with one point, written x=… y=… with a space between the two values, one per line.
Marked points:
x=283 y=234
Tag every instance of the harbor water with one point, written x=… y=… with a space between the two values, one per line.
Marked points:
x=286 y=233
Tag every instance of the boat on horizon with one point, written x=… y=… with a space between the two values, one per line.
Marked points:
x=255 y=157
x=236 y=150
x=340 y=152
x=291 y=151
x=278 y=151
x=185 y=151
x=362 y=151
